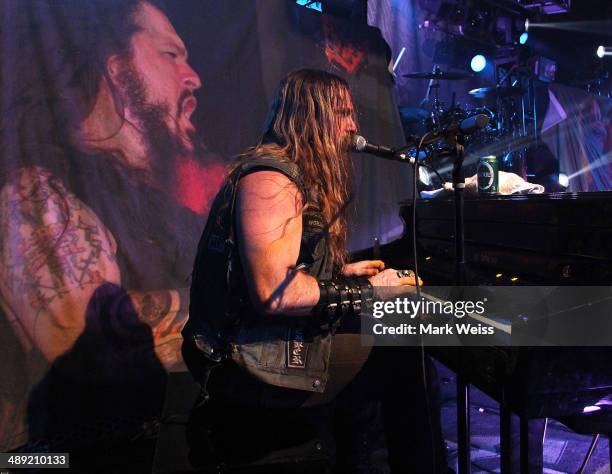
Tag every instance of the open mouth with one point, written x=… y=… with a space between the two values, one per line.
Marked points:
x=189 y=106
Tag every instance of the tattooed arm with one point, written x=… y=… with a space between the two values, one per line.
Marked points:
x=54 y=254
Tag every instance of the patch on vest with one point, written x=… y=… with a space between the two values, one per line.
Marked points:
x=216 y=243
x=296 y=349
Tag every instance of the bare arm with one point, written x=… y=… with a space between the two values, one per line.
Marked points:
x=269 y=231
x=269 y=222
x=54 y=254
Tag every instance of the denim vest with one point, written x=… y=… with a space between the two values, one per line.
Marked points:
x=290 y=352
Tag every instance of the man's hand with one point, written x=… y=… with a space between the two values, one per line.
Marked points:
x=363 y=268
x=390 y=277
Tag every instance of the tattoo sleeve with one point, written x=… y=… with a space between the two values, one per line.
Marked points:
x=54 y=254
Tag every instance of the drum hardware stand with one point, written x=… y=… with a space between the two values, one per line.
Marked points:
x=425 y=100
x=515 y=117
x=437 y=108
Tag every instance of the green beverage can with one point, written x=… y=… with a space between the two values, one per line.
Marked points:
x=487 y=173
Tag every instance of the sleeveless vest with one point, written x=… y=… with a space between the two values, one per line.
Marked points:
x=289 y=352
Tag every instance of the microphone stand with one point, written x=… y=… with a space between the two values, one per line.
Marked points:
x=455 y=138
x=464 y=462
x=462 y=384
x=463 y=387
x=459 y=189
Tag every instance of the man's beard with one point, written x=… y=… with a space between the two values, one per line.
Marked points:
x=162 y=144
x=346 y=144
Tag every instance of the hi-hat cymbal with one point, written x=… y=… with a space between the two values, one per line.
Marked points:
x=495 y=92
x=439 y=75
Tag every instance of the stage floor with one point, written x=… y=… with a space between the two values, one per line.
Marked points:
x=564 y=450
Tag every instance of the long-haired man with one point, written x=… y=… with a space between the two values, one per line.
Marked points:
x=95 y=249
x=273 y=333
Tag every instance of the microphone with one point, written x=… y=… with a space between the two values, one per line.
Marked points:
x=361 y=145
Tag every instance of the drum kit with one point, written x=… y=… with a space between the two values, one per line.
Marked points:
x=501 y=104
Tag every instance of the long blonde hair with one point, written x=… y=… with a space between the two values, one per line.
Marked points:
x=302 y=128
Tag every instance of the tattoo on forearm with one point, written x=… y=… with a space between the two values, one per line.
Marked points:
x=162 y=312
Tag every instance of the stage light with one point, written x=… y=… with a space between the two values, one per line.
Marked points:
x=601 y=52
x=590 y=409
x=526 y=24
x=523 y=38
x=478 y=63
x=548 y=7
x=424 y=176
x=310 y=4
x=563 y=180
x=544 y=68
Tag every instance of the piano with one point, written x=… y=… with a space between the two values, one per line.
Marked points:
x=547 y=239
x=559 y=239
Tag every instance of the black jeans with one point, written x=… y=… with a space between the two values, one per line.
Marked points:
x=384 y=418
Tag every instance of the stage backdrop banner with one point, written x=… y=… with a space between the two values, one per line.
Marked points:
x=105 y=186
x=577 y=128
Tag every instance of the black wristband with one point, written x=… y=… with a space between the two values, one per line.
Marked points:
x=326 y=308
x=344 y=297
x=340 y=297
x=367 y=294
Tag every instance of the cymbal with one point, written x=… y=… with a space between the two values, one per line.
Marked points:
x=439 y=75
x=494 y=92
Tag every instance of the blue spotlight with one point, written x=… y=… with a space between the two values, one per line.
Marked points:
x=479 y=62
x=523 y=38
x=310 y=4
